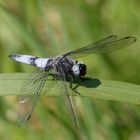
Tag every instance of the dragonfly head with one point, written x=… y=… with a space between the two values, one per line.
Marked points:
x=79 y=69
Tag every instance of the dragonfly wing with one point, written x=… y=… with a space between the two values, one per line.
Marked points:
x=29 y=95
x=108 y=44
x=68 y=100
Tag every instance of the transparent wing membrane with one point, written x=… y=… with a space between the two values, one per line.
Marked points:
x=68 y=100
x=29 y=95
x=108 y=44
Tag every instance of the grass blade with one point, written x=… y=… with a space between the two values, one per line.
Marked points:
x=102 y=89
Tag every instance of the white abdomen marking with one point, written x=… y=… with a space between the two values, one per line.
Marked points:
x=27 y=59
x=31 y=60
x=41 y=62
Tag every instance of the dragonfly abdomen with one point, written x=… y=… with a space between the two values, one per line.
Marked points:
x=31 y=60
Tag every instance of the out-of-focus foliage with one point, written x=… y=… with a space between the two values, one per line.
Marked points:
x=47 y=28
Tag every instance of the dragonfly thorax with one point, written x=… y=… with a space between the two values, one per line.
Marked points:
x=70 y=66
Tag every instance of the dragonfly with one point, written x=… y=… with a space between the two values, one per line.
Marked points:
x=64 y=66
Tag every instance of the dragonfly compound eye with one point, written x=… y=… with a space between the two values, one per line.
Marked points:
x=82 y=68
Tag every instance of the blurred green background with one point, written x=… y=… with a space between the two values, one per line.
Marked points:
x=48 y=28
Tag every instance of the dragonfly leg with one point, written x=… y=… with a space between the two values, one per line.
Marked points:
x=74 y=87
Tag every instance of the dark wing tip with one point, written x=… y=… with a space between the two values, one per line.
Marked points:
x=134 y=39
x=22 y=121
x=28 y=118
